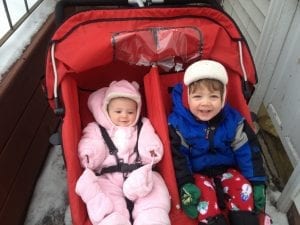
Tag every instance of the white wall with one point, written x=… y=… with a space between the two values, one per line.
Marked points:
x=250 y=16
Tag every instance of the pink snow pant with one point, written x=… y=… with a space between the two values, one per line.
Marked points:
x=237 y=191
x=106 y=204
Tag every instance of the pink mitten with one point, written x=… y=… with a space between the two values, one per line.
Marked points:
x=98 y=204
x=139 y=183
x=87 y=186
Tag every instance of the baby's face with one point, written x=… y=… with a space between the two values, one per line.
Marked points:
x=205 y=104
x=122 y=111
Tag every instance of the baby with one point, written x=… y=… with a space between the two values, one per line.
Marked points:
x=118 y=151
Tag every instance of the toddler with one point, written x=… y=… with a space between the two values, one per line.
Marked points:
x=216 y=155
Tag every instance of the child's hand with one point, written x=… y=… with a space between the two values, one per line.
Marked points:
x=190 y=195
x=259 y=197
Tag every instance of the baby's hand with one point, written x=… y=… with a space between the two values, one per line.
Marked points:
x=153 y=154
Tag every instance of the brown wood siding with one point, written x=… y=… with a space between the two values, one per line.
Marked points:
x=26 y=123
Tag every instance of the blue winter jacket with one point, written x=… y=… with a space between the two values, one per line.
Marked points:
x=221 y=141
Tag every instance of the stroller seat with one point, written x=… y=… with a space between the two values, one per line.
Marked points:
x=94 y=47
x=159 y=104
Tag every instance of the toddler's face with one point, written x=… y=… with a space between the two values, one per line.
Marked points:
x=122 y=111
x=205 y=104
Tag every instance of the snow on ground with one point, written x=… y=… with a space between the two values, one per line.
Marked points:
x=49 y=204
x=49 y=201
x=278 y=218
x=13 y=48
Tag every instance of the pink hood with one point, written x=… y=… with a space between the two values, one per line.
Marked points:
x=99 y=100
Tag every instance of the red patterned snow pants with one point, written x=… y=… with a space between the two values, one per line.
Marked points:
x=237 y=189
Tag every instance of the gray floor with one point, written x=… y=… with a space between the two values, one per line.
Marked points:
x=49 y=204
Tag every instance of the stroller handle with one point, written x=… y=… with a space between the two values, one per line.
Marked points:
x=62 y=4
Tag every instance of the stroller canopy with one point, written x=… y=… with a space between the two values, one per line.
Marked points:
x=171 y=38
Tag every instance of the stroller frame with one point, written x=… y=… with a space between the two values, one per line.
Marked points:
x=87 y=52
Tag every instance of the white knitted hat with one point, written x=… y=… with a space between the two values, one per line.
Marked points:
x=205 y=69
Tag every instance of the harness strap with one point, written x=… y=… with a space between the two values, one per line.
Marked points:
x=111 y=146
x=219 y=193
x=122 y=167
x=136 y=150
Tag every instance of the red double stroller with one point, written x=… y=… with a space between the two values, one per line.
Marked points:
x=151 y=45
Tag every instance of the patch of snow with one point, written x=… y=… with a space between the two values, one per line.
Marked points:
x=13 y=48
x=68 y=218
x=277 y=217
x=49 y=201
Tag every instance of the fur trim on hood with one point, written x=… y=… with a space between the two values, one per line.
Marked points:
x=99 y=100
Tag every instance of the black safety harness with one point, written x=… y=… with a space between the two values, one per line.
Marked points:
x=120 y=166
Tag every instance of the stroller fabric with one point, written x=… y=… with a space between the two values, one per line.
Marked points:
x=152 y=46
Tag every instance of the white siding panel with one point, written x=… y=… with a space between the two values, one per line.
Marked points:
x=240 y=12
x=227 y=7
x=254 y=35
x=240 y=16
x=250 y=17
x=263 y=6
x=244 y=31
x=272 y=39
x=290 y=192
x=254 y=13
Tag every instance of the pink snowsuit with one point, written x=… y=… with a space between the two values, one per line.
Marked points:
x=105 y=195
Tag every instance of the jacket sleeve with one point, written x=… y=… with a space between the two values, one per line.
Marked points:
x=182 y=170
x=149 y=142
x=91 y=148
x=248 y=154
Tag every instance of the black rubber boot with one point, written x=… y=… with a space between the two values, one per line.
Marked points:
x=243 y=218
x=216 y=220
